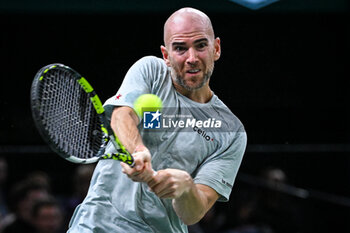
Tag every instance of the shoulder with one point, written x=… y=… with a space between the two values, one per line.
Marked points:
x=231 y=122
x=150 y=67
x=154 y=70
x=151 y=61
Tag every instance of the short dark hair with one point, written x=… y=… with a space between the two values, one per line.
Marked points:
x=20 y=191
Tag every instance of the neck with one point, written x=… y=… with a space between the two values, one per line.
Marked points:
x=201 y=95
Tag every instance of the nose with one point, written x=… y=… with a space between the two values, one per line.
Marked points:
x=192 y=58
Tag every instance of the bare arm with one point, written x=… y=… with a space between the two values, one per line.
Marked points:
x=190 y=201
x=124 y=123
x=193 y=205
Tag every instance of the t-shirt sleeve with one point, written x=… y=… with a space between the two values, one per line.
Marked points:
x=139 y=80
x=219 y=170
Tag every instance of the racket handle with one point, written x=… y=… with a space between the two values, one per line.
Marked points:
x=128 y=159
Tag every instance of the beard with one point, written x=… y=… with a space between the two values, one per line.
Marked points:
x=180 y=80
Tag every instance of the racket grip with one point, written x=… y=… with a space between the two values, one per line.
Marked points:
x=126 y=158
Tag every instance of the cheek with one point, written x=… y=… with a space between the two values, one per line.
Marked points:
x=213 y=57
x=176 y=63
x=168 y=62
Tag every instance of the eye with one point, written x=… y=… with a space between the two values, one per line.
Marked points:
x=202 y=45
x=179 y=48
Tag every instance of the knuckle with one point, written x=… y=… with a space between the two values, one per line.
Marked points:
x=166 y=173
x=172 y=190
x=171 y=180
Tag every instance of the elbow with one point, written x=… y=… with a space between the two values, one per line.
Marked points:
x=191 y=220
x=122 y=112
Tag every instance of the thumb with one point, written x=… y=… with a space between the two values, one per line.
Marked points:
x=139 y=161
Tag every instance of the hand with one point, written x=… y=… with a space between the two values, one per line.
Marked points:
x=170 y=183
x=142 y=171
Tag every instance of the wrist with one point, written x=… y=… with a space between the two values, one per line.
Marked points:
x=140 y=148
x=188 y=186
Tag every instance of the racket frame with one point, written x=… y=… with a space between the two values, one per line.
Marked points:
x=108 y=134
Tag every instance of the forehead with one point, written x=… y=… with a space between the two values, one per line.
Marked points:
x=187 y=27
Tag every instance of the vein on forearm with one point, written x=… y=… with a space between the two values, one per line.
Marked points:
x=124 y=124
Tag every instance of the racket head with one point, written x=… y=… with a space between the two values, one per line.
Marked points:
x=65 y=114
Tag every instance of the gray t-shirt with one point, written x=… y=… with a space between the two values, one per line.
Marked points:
x=206 y=140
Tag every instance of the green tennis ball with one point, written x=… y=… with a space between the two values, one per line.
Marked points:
x=147 y=102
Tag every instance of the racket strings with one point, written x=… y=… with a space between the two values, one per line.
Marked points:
x=69 y=116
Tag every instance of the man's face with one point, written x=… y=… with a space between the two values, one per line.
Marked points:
x=191 y=52
x=48 y=219
x=25 y=205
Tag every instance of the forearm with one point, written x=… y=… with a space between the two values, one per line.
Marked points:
x=195 y=203
x=190 y=207
x=124 y=124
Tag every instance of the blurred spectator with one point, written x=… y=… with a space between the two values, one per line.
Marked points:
x=81 y=183
x=266 y=209
x=47 y=216
x=212 y=222
x=22 y=197
x=41 y=178
x=3 y=178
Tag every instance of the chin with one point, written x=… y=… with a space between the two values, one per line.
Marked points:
x=193 y=86
x=190 y=85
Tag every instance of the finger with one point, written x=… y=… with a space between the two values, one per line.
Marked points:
x=140 y=158
x=138 y=164
x=169 y=195
x=153 y=182
x=140 y=178
x=169 y=192
x=126 y=169
x=157 y=177
x=146 y=174
x=149 y=170
x=161 y=187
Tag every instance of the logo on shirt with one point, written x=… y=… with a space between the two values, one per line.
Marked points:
x=152 y=120
x=227 y=183
x=203 y=133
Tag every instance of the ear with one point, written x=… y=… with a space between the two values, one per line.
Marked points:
x=165 y=55
x=217 y=47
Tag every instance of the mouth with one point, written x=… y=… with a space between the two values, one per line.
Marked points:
x=193 y=71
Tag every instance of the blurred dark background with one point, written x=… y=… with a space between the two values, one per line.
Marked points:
x=283 y=72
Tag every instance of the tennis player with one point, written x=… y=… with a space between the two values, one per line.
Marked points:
x=196 y=151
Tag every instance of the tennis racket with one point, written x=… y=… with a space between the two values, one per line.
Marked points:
x=70 y=117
